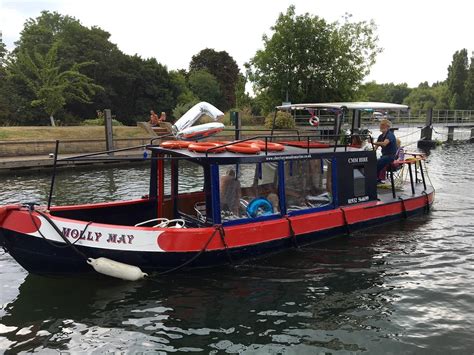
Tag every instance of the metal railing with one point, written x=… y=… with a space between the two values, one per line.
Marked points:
x=411 y=117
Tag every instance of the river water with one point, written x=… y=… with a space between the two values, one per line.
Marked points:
x=407 y=287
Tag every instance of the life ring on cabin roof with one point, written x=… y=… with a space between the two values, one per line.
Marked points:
x=175 y=144
x=271 y=147
x=203 y=147
x=259 y=207
x=243 y=147
x=314 y=121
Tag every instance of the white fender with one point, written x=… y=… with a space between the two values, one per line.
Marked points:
x=116 y=269
x=194 y=114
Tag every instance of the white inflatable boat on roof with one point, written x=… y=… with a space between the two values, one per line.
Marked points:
x=183 y=128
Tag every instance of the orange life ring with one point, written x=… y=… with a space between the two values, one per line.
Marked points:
x=271 y=147
x=203 y=147
x=175 y=144
x=243 y=147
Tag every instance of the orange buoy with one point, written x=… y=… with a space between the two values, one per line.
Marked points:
x=175 y=144
x=203 y=147
x=270 y=146
x=243 y=147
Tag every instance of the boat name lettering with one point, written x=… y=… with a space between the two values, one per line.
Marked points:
x=358 y=199
x=358 y=160
x=120 y=239
x=95 y=236
x=287 y=157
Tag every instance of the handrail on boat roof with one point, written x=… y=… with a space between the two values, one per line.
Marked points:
x=346 y=105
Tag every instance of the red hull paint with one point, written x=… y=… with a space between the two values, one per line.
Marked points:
x=242 y=235
x=175 y=240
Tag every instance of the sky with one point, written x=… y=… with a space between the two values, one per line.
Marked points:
x=418 y=37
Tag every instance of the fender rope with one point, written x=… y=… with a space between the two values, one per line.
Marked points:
x=404 y=210
x=218 y=227
x=346 y=223
x=226 y=248
x=427 y=206
x=292 y=232
x=56 y=228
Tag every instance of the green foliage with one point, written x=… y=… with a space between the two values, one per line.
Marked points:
x=225 y=70
x=424 y=97
x=470 y=87
x=132 y=85
x=181 y=109
x=457 y=79
x=310 y=60
x=204 y=86
x=247 y=118
x=283 y=120
x=52 y=87
x=373 y=92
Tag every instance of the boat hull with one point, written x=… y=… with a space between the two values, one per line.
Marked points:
x=232 y=244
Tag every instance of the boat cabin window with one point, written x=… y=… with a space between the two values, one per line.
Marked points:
x=307 y=184
x=248 y=190
x=191 y=199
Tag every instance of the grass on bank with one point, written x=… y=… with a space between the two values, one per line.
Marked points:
x=44 y=133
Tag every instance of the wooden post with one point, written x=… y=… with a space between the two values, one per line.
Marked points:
x=472 y=136
x=109 y=137
x=450 y=134
x=426 y=139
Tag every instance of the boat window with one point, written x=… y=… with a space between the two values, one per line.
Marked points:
x=248 y=190
x=307 y=184
x=191 y=196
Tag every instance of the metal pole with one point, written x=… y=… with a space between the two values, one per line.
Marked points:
x=53 y=178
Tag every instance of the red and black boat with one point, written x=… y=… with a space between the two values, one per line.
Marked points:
x=253 y=196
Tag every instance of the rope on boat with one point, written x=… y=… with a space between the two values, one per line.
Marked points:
x=346 y=223
x=219 y=229
x=226 y=248
x=292 y=232
x=404 y=209
x=56 y=228
x=427 y=206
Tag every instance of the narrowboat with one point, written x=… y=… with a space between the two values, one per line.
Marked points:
x=251 y=197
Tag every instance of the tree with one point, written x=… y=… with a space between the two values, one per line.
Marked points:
x=205 y=86
x=132 y=85
x=470 y=86
x=394 y=93
x=424 y=97
x=457 y=78
x=225 y=70
x=307 y=59
x=51 y=87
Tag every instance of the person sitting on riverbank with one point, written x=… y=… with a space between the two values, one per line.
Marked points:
x=388 y=143
x=162 y=117
x=154 y=120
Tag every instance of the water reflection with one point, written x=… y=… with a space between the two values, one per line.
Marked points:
x=337 y=287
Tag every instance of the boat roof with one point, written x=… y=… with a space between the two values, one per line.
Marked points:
x=290 y=152
x=347 y=105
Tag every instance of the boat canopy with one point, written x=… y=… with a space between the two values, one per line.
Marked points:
x=347 y=105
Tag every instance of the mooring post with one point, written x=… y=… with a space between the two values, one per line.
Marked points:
x=426 y=139
x=472 y=136
x=109 y=137
x=450 y=134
